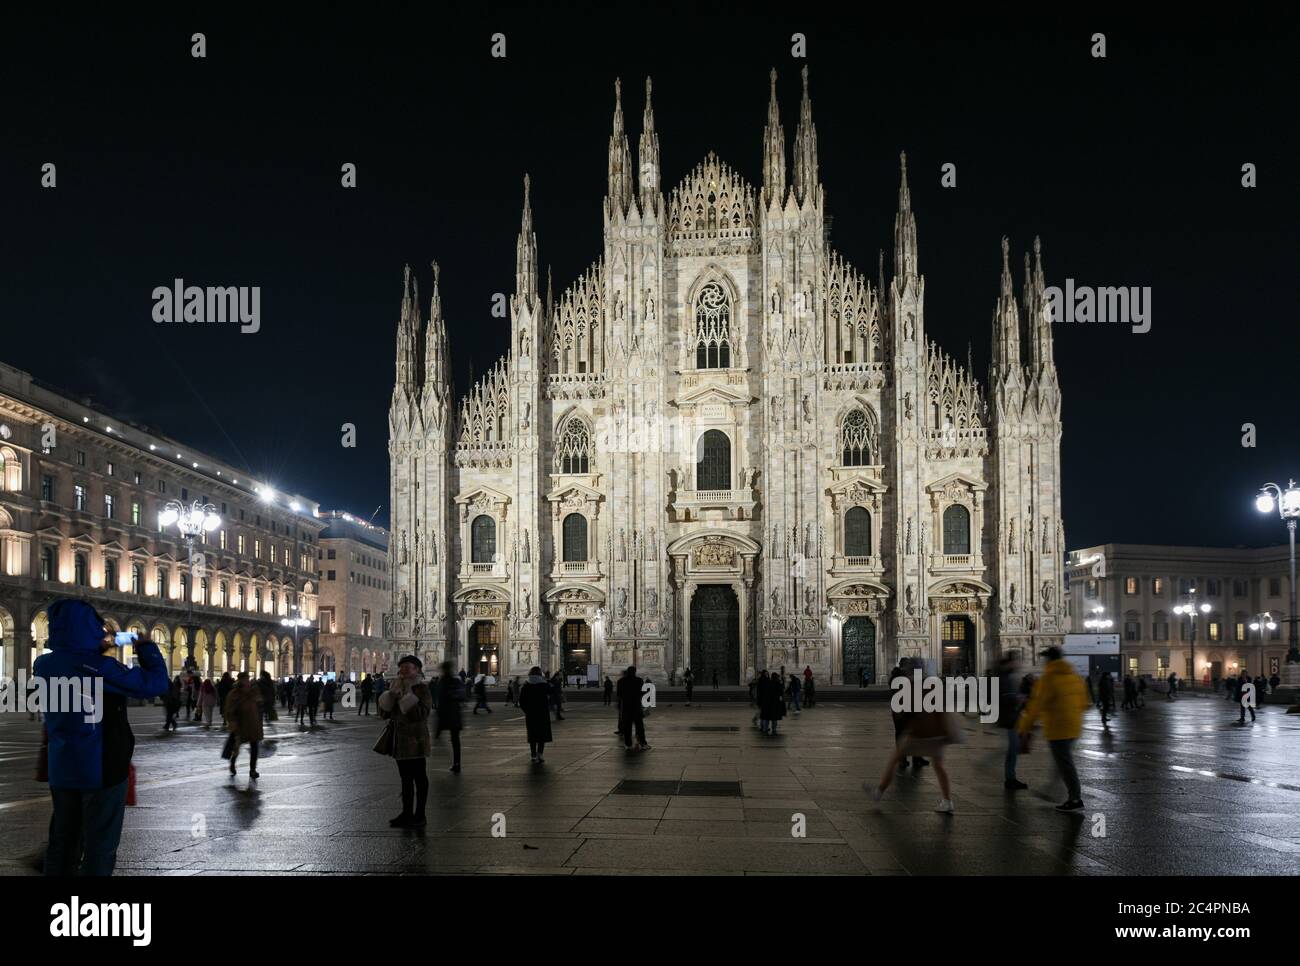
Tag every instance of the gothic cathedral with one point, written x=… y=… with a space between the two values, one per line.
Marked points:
x=723 y=448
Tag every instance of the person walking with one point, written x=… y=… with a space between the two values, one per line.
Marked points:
x=1173 y=686
x=450 y=693
x=902 y=719
x=243 y=711
x=630 y=713
x=1274 y=683
x=1060 y=699
x=1106 y=696
x=609 y=690
x=1009 y=703
x=327 y=696
x=300 y=701
x=367 y=689
x=89 y=761
x=809 y=691
x=480 y=694
x=795 y=692
x=1130 y=693
x=557 y=695
x=191 y=682
x=1142 y=692
x=207 y=702
x=313 y=697
x=406 y=707
x=172 y=703
x=760 y=698
x=774 y=710
x=535 y=702
x=715 y=680
x=1247 y=695
x=925 y=733
x=266 y=689
x=510 y=691
x=225 y=685
x=689 y=680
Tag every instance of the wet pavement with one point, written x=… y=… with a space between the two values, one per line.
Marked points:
x=1175 y=788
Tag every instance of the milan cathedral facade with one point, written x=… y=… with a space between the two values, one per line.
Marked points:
x=723 y=447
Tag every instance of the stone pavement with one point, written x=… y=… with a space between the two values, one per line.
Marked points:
x=1181 y=787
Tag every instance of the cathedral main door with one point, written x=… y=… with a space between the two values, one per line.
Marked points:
x=859 y=651
x=715 y=634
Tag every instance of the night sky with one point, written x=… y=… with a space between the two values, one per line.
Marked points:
x=225 y=171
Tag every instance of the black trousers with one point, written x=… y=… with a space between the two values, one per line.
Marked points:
x=252 y=754
x=364 y=705
x=626 y=727
x=415 y=785
x=455 y=745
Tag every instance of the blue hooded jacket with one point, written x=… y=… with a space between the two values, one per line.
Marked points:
x=93 y=754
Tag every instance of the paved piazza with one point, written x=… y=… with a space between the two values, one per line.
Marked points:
x=1182 y=788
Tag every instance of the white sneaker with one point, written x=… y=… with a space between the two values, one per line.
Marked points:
x=945 y=806
x=873 y=791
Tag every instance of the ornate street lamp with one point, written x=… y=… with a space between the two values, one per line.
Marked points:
x=1262 y=621
x=192 y=521
x=1098 y=623
x=1189 y=608
x=1287 y=503
x=295 y=623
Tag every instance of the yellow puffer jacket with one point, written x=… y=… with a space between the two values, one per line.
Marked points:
x=1059 y=697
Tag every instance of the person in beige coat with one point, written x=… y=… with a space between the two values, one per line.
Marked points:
x=406 y=706
x=243 y=711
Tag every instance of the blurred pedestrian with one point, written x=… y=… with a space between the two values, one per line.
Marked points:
x=631 y=714
x=1106 y=696
x=172 y=703
x=511 y=690
x=1060 y=699
x=313 y=697
x=534 y=701
x=609 y=690
x=300 y=701
x=794 y=691
x=1130 y=693
x=225 y=684
x=406 y=707
x=1173 y=686
x=1246 y=697
x=243 y=711
x=773 y=703
x=925 y=733
x=809 y=691
x=902 y=719
x=266 y=689
x=689 y=680
x=480 y=694
x=450 y=693
x=556 y=687
x=366 y=690
x=89 y=757
x=207 y=702
x=327 y=696
x=1009 y=704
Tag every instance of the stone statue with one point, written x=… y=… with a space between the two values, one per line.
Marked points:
x=1012 y=606
x=402 y=605
x=808 y=601
x=622 y=544
x=1047 y=536
x=622 y=602
x=807 y=408
x=652 y=553
x=403 y=553
x=1011 y=538
x=649 y=308
x=1047 y=596
x=652 y=600
x=907 y=405
x=433 y=603
x=907 y=546
x=528 y=554
x=528 y=604
x=776 y=602
x=527 y=409
x=910 y=597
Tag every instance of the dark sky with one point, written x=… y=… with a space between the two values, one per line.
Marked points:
x=225 y=171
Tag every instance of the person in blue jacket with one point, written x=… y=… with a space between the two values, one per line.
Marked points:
x=90 y=754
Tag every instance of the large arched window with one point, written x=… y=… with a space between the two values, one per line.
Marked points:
x=11 y=471
x=856 y=439
x=712 y=328
x=483 y=539
x=857 y=533
x=956 y=529
x=575 y=537
x=110 y=574
x=79 y=570
x=47 y=563
x=713 y=471
x=573 y=449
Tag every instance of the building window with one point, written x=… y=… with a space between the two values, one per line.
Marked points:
x=162 y=486
x=1160 y=631
x=713 y=471
x=81 y=457
x=1090 y=590
x=79 y=496
x=79 y=569
x=160 y=583
x=367 y=628
x=239 y=596
x=857 y=532
x=185 y=587
x=1130 y=585
x=47 y=563
x=272 y=553
x=1132 y=631
x=1239 y=588
x=573 y=453
x=135 y=513
x=203 y=591
x=1240 y=628
x=108 y=468
x=712 y=328
x=331 y=574
x=1212 y=588
x=108 y=505
x=1276 y=633
x=222 y=539
x=329 y=554
x=856 y=439
x=1214 y=630
x=1186 y=585
x=185 y=494
x=257 y=599
x=138 y=478
x=575 y=537
x=47 y=488
x=956 y=530
x=1157 y=586
x=257 y=549
x=110 y=575
x=239 y=542
x=483 y=539
x=1274 y=587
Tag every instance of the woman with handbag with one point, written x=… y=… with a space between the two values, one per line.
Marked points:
x=928 y=734
x=406 y=706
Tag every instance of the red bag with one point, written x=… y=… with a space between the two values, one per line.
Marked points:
x=130 y=785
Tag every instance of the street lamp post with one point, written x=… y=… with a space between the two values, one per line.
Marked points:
x=1189 y=607
x=1262 y=621
x=192 y=521
x=1287 y=503
x=295 y=623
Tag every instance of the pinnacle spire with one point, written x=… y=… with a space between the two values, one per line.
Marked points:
x=773 y=150
x=648 y=155
x=1006 y=324
x=526 y=249
x=620 y=160
x=1037 y=320
x=408 y=321
x=805 y=148
x=905 y=249
x=436 y=370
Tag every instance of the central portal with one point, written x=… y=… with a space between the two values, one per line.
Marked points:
x=715 y=634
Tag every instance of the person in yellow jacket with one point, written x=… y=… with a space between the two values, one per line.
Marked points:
x=1059 y=697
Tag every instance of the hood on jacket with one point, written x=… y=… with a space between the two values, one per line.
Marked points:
x=75 y=626
x=1059 y=666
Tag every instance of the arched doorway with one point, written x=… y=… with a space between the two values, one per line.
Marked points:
x=715 y=634
x=484 y=644
x=859 y=639
x=575 y=648
x=957 y=638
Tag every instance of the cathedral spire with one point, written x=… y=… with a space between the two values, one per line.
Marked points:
x=526 y=251
x=620 y=159
x=805 y=148
x=1006 y=323
x=773 y=151
x=436 y=370
x=648 y=156
x=905 y=253
x=408 y=320
x=1040 y=318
